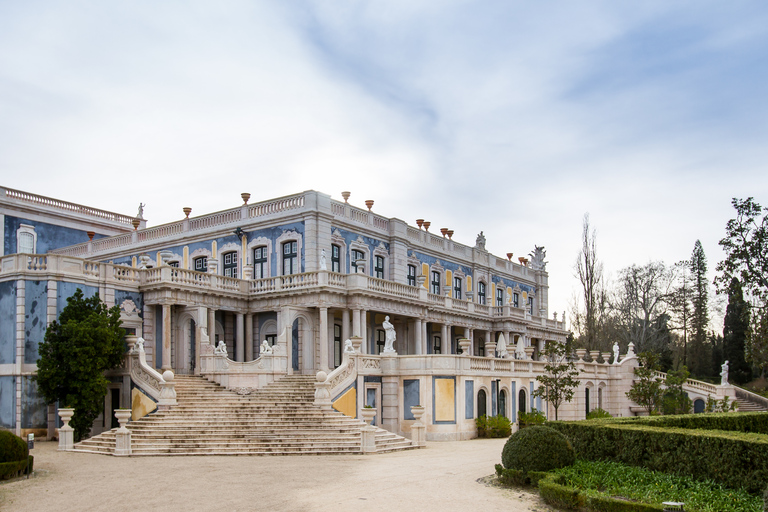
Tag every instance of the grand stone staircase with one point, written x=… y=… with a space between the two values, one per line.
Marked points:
x=279 y=419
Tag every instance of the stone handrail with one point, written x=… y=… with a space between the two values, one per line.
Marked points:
x=393 y=288
x=749 y=396
x=158 y=387
x=65 y=205
x=703 y=387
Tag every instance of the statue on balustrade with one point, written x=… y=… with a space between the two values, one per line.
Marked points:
x=724 y=374
x=221 y=349
x=348 y=348
x=389 y=330
x=266 y=349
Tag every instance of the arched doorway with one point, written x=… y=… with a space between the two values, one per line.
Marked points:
x=482 y=403
x=586 y=401
x=521 y=401
x=698 y=405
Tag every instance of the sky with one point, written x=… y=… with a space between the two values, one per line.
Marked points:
x=514 y=118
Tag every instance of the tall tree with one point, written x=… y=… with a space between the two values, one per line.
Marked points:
x=746 y=250
x=589 y=270
x=680 y=307
x=79 y=347
x=560 y=379
x=735 y=330
x=700 y=364
x=757 y=340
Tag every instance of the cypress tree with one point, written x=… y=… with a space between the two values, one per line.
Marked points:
x=700 y=364
x=735 y=328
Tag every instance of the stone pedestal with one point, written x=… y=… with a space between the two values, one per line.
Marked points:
x=123 y=435
x=418 y=429
x=369 y=432
x=322 y=391
x=465 y=346
x=167 y=391
x=529 y=353
x=606 y=357
x=357 y=343
x=66 y=433
x=594 y=354
x=490 y=349
x=389 y=393
x=580 y=353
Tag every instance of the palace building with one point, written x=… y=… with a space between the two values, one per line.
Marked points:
x=246 y=296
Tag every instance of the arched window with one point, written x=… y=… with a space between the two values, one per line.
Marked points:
x=358 y=258
x=586 y=400
x=230 y=264
x=260 y=256
x=378 y=268
x=698 y=405
x=290 y=258
x=26 y=239
x=503 y=403
x=457 y=288
x=521 y=401
x=482 y=403
x=499 y=296
x=201 y=264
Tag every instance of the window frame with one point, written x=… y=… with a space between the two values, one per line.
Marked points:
x=457 y=284
x=411 y=276
x=378 y=268
x=232 y=266
x=516 y=299
x=261 y=263
x=25 y=230
x=354 y=253
x=481 y=299
x=335 y=258
x=291 y=257
x=203 y=260
x=499 y=296
x=435 y=282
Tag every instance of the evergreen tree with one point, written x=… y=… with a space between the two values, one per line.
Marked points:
x=79 y=347
x=646 y=389
x=735 y=329
x=557 y=385
x=757 y=340
x=700 y=363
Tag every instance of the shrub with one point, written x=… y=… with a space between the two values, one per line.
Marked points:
x=493 y=426
x=598 y=413
x=14 y=454
x=537 y=448
x=527 y=419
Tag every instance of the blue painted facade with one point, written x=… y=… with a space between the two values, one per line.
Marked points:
x=411 y=397
x=35 y=318
x=34 y=410
x=513 y=402
x=7 y=401
x=511 y=284
x=49 y=236
x=8 y=324
x=136 y=297
x=469 y=399
x=370 y=243
x=447 y=265
x=66 y=290
x=494 y=397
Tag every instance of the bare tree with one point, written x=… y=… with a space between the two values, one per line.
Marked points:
x=587 y=321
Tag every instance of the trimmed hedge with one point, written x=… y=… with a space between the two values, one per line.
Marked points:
x=14 y=455
x=517 y=477
x=755 y=422
x=493 y=426
x=735 y=459
x=537 y=448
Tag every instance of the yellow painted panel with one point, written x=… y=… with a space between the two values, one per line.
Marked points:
x=185 y=257
x=509 y=294
x=493 y=294
x=525 y=298
x=214 y=249
x=445 y=403
x=448 y=278
x=133 y=261
x=141 y=404
x=425 y=273
x=469 y=283
x=347 y=403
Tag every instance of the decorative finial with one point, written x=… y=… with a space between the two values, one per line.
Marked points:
x=246 y=196
x=346 y=195
x=369 y=204
x=187 y=210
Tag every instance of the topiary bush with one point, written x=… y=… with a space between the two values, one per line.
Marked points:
x=14 y=454
x=537 y=448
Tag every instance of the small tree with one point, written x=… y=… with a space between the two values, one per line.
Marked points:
x=558 y=384
x=646 y=390
x=79 y=347
x=675 y=399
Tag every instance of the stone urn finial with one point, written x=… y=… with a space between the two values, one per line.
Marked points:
x=427 y=224
x=443 y=231
x=450 y=234
x=369 y=204
x=90 y=234
x=187 y=210
x=246 y=196
x=419 y=222
x=135 y=221
x=346 y=195
x=509 y=256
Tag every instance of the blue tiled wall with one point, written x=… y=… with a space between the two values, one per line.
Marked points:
x=49 y=236
x=8 y=323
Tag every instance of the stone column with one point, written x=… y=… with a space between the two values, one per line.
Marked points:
x=212 y=326
x=424 y=338
x=364 y=331
x=345 y=334
x=390 y=403
x=470 y=334
x=417 y=336
x=323 y=339
x=166 y=337
x=445 y=346
x=490 y=344
x=239 y=345
x=356 y=322
x=249 y=336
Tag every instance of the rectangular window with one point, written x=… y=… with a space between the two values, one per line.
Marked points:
x=201 y=264
x=260 y=262
x=379 y=267
x=290 y=258
x=434 y=284
x=338 y=346
x=26 y=243
x=381 y=338
x=357 y=256
x=230 y=264
x=437 y=345
x=335 y=258
x=516 y=300
x=271 y=339
x=457 y=288
x=411 y=275
x=481 y=293
x=499 y=297
x=481 y=347
x=530 y=305
x=173 y=264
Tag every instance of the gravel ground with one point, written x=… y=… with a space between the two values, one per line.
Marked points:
x=442 y=477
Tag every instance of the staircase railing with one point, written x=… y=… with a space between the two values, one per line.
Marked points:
x=161 y=388
x=750 y=396
x=329 y=385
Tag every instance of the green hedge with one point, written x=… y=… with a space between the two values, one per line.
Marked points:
x=735 y=459
x=12 y=469
x=518 y=477
x=554 y=491
x=756 y=422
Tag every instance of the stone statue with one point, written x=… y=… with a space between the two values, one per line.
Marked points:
x=537 y=258
x=501 y=346
x=389 y=329
x=139 y=346
x=616 y=352
x=266 y=349
x=323 y=265
x=348 y=348
x=480 y=242
x=724 y=374
x=140 y=215
x=221 y=349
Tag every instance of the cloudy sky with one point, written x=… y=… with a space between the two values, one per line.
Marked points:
x=510 y=117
